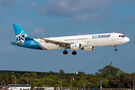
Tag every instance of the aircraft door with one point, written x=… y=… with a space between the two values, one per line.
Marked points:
x=113 y=37
x=89 y=41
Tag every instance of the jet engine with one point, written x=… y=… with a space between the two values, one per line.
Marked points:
x=91 y=48
x=78 y=46
x=75 y=46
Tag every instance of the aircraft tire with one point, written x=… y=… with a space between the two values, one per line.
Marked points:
x=74 y=52
x=65 y=52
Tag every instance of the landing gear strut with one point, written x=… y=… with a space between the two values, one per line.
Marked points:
x=74 y=52
x=115 y=48
x=65 y=52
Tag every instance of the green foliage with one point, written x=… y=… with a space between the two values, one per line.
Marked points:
x=61 y=72
x=109 y=76
x=109 y=71
x=94 y=81
x=133 y=74
x=36 y=83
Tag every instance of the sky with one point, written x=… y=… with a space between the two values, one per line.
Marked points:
x=51 y=18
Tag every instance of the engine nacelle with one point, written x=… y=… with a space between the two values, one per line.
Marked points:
x=75 y=46
x=88 y=48
x=83 y=44
x=78 y=46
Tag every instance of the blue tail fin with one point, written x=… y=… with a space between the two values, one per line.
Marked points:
x=20 y=34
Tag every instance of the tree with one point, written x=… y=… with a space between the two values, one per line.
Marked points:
x=115 y=82
x=82 y=82
x=23 y=80
x=61 y=72
x=27 y=75
x=12 y=78
x=126 y=79
x=109 y=71
x=36 y=83
x=1 y=79
x=123 y=80
x=93 y=79
x=5 y=78
x=133 y=74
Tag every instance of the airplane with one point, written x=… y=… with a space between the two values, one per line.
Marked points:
x=78 y=42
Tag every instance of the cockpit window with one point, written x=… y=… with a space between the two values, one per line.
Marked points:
x=121 y=36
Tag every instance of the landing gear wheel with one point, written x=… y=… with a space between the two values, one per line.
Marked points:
x=115 y=49
x=74 y=52
x=65 y=52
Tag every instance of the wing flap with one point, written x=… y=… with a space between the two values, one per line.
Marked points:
x=60 y=43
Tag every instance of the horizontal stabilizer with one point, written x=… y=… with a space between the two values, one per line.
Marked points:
x=21 y=43
x=11 y=42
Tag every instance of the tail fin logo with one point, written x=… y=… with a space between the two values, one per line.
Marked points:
x=21 y=37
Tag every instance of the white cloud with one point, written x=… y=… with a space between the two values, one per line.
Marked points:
x=20 y=22
x=128 y=62
x=124 y=29
x=88 y=18
x=38 y=32
x=69 y=7
x=8 y=3
x=8 y=50
x=124 y=1
x=28 y=6
x=93 y=17
x=125 y=24
x=128 y=20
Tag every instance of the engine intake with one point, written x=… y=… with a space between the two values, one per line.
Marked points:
x=78 y=46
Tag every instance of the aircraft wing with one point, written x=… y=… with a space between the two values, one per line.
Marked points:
x=59 y=43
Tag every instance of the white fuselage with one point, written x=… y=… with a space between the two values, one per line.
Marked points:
x=78 y=42
x=104 y=39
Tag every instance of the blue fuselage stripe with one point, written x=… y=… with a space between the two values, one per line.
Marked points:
x=29 y=44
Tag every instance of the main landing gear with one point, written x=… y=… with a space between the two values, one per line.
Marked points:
x=115 y=48
x=74 y=52
x=66 y=52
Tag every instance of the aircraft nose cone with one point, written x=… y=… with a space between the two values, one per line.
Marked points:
x=127 y=39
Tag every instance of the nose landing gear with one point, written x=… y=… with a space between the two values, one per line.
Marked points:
x=115 y=48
